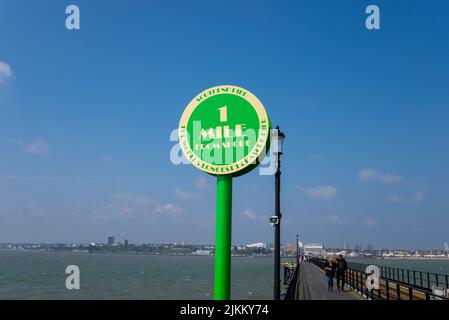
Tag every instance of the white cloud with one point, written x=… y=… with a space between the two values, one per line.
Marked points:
x=182 y=194
x=416 y=197
x=253 y=216
x=124 y=205
x=250 y=214
x=205 y=223
x=38 y=147
x=201 y=183
x=107 y=157
x=170 y=209
x=369 y=222
x=320 y=192
x=333 y=218
x=5 y=72
x=48 y=179
x=378 y=176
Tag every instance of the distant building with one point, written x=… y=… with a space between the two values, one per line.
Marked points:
x=370 y=247
x=345 y=247
x=111 y=240
x=358 y=247
x=290 y=248
x=257 y=245
x=202 y=252
x=126 y=242
x=314 y=249
x=92 y=247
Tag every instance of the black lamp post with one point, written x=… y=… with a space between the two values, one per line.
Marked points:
x=277 y=143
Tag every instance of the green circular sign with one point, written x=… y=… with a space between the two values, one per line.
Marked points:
x=224 y=130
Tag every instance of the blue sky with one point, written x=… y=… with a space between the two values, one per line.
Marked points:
x=86 y=117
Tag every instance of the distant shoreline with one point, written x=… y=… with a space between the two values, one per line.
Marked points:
x=211 y=255
x=399 y=258
x=135 y=253
x=418 y=258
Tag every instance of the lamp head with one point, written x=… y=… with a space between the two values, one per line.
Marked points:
x=277 y=141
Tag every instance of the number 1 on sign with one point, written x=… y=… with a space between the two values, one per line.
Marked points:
x=223 y=114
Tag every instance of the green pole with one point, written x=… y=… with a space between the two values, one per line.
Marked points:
x=222 y=279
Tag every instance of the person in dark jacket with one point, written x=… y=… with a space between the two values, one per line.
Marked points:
x=338 y=274
x=342 y=266
x=329 y=269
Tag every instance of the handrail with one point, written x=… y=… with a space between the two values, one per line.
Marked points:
x=356 y=278
x=290 y=293
x=419 y=279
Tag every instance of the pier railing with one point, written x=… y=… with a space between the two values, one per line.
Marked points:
x=290 y=292
x=392 y=287
x=419 y=279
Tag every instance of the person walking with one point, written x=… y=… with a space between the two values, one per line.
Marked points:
x=292 y=269
x=338 y=274
x=286 y=271
x=329 y=270
x=342 y=266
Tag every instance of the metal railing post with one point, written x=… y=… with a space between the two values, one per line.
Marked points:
x=398 y=291
x=353 y=279
x=388 y=289
x=361 y=283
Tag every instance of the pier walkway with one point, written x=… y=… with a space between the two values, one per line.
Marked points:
x=309 y=283
x=312 y=285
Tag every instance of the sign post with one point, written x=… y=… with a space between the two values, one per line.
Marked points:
x=223 y=234
x=224 y=131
